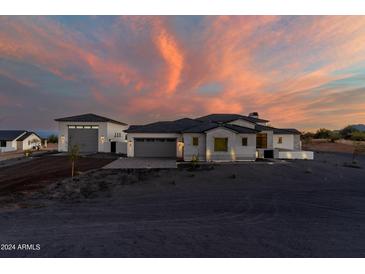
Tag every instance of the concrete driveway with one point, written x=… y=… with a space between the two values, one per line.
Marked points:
x=138 y=163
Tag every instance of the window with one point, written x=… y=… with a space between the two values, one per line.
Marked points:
x=2 y=143
x=261 y=140
x=195 y=141
x=221 y=144
x=244 y=141
x=84 y=127
x=280 y=140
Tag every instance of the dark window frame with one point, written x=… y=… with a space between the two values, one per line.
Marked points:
x=217 y=148
x=244 y=141
x=195 y=141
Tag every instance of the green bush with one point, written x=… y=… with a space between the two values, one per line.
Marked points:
x=334 y=136
x=358 y=136
x=322 y=133
x=306 y=137
x=348 y=131
x=53 y=139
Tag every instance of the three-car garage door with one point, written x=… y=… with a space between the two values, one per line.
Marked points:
x=155 y=147
x=85 y=138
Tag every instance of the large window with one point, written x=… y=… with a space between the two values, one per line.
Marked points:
x=261 y=140
x=244 y=141
x=195 y=141
x=221 y=144
x=2 y=143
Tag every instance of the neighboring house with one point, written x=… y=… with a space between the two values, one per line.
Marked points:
x=215 y=137
x=12 y=140
x=92 y=133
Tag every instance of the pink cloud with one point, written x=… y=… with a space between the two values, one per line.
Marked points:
x=152 y=67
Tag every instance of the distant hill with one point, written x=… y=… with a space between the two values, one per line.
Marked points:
x=359 y=127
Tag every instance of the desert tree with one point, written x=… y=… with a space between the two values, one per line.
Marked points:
x=73 y=154
x=52 y=139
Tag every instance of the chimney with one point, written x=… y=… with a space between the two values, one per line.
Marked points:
x=254 y=114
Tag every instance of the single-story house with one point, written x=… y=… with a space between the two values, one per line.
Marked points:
x=92 y=133
x=215 y=137
x=12 y=140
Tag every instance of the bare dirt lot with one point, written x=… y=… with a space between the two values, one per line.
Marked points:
x=329 y=147
x=281 y=209
x=38 y=172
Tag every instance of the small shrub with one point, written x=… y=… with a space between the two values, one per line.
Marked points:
x=233 y=176
x=359 y=148
x=308 y=171
x=28 y=152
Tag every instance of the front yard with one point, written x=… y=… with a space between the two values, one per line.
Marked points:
x=281 y=209
x=33 y=174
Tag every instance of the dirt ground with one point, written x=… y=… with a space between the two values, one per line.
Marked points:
x=328 y=147
x=38 y=172
x=262 y=209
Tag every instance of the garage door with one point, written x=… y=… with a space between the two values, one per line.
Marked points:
x=85 y=139
x=155 y=147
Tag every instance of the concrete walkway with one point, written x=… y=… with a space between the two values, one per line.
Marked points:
x=141 y=163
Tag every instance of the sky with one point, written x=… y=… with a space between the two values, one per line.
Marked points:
x=304 y=72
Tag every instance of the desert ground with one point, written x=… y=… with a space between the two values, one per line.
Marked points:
x=326 y=146
x=252 y=209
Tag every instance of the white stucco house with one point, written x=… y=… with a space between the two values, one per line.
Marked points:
x=12 y=140
x=215 y=137
x=92 y=133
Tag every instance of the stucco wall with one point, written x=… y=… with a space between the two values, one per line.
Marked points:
x=297 y=142
x=287 y=141
x=131 y=136
x=246 y=152
x=115 y=128
x=10 y=146
x=290 y=141
x=190 y=150
x=302 y=155
x=235 y=149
